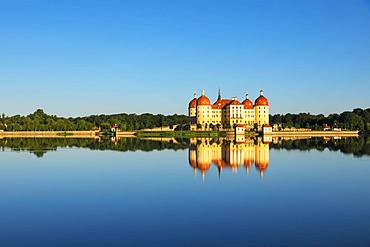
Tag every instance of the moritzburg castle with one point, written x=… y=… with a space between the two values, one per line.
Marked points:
x=228 y=113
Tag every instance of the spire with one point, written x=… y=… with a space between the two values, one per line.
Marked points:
x=203 y=92
x=247 y=96
x=195 y=95
x=261 y=92
x=219 y=94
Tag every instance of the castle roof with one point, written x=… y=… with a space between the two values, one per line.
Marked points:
x=248 y=104
x=203 y=100
x=235 y=102
x=261 y=101
x=221 y=103
x=193 y=103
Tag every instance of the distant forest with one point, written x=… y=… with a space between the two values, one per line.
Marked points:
x=40 y=121
x=358 y=119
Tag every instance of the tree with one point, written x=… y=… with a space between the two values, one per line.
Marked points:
x=358 y=119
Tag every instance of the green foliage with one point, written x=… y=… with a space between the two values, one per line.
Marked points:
x=356 y=146
x=40 y=146
x=65 y=134
x=40 y=121
x=182 y=127
x=358 y=119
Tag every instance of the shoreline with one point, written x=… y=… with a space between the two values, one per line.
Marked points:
x=171 y=134
x=314 y=133
x=49 y=134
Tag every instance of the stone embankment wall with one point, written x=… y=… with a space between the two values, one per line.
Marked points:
x=125 y=133
x=164 y=128
x=313 y=133
x=74 y=134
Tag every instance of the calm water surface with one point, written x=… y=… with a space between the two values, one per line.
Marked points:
x=130 y=192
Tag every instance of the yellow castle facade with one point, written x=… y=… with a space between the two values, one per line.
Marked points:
x=228 y=113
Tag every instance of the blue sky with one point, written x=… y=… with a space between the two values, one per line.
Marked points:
x=89 y=57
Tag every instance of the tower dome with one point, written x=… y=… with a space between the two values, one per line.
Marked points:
x=203 y=100
x=261 y=100
x=248 y=104
x=193 y=102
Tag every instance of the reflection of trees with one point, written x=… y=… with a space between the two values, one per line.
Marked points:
x=39 y=146
x=357 y=146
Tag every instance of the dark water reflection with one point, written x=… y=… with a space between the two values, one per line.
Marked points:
x=39 y=146
x=185 y=192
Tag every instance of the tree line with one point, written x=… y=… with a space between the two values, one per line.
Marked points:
x=40 y=121
x=358 y=119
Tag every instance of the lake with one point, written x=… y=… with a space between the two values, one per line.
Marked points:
x=185 y=192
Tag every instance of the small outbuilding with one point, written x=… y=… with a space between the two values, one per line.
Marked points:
x=115 y=128
x=239 y=129
x=266 y=129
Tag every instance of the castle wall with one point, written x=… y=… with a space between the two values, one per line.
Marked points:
x=207 y=116
x=261 y=115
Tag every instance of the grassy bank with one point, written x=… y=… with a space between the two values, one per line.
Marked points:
x=187 y=134
x=65 y=134
x=175 y=134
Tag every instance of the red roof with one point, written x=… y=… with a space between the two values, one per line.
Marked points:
x=203 y=100
x=261 y=101
x=193 y=103
x=221 y=103
x=235 y=102
x=248 y=104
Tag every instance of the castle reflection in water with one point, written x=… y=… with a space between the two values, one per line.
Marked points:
x=229 y=154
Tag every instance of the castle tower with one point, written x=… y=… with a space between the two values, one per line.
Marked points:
x=249 y=113
x=204 y=111
x=192 y=111
x=262 y=110
x=193 y=106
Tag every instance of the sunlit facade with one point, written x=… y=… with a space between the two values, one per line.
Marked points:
x=228 y=113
